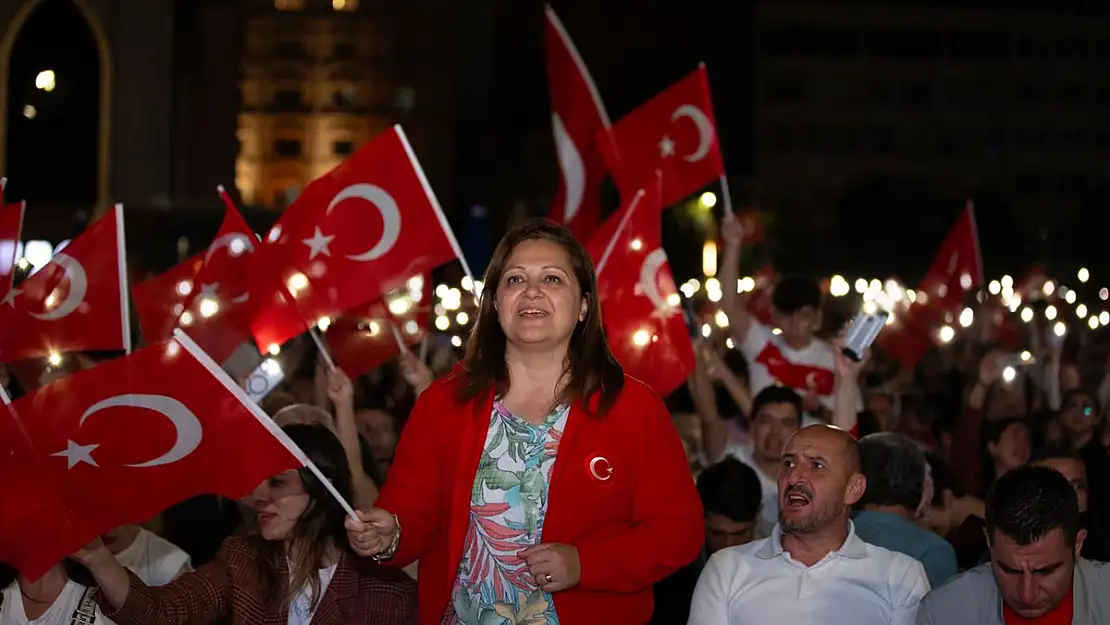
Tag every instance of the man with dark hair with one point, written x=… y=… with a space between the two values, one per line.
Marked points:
x=776 y=416
x=814 y=568
x=1036 y=574
x=895 y=469
x=730 y=495
x=1071 y=466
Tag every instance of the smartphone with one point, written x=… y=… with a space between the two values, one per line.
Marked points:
x=264 y=379
x=862 y=333
x=691 y=318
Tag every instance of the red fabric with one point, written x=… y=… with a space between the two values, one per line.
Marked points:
x=386 y=216
x=639 y=299
x=631 y=531
x=957 y=268
x=77 y=302
x=758 y=302
x=11 y=232
x=363 y=339
x=577 y=116
x=159 y=300
x=752 y=224
x=1062 y=614
x=794 y=375
x=111 y=474
x=674 y=132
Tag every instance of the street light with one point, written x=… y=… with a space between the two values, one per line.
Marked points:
x=45 y=80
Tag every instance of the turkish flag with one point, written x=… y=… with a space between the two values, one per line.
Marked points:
x=354 y=235
x=640 y=306
x=215 y=314
x=674 y=132
x=160 y=300
x=758 y=302
x=577 y=118
x=11 y=232
x=77 y=302
x=958 y=267
x=125 y=440
x=367 y=337
x=752 y=225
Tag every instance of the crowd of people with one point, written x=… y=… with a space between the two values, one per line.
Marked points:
x=529 y=481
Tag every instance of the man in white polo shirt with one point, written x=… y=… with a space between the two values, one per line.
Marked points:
x=813 y=568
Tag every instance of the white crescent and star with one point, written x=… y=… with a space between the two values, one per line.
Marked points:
x=78 y=287
x=377 y=197
x=608 y=469
x=188 y=429
x=572 y=167
x=648 y=285
x=706 y=134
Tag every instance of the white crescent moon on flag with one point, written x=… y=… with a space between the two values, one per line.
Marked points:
x=78 y=287
x=649 y=281
x=225 y=241
x=811 y=382
x=573 y=168
x=386 y=205
x=189 y=432
x=705 y=130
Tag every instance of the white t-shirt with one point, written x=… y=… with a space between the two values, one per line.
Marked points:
x=300 y=609
x=858 y=584
x=154 y=559
x=769 y=514
x=59 y=613
x=771 y=361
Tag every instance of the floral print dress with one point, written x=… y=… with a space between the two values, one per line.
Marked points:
x=507 y=508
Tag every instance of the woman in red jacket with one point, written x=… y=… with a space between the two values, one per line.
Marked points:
x=536 y=483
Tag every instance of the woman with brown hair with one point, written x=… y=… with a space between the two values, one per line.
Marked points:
x=536 y=483
x=293 y=566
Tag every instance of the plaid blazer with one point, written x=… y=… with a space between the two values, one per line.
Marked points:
x=362 y=592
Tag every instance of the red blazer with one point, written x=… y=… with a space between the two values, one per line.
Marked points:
x=631 y=530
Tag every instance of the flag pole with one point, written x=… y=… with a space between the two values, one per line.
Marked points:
x=121 y=260
x=223 y=378
x=620 y=228
x=325 y=353
x=726 y=195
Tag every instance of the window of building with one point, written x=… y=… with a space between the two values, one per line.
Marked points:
x=904 y=43
x=344 y=5
x=343 y=148
x=783 y=91
x=805 y=40
x=289 y=50
x=279 y=199
x=289 y=5
x=979 y=45
x=287 y=148
x=343 y=98
x=404 y=98
x=288 y=99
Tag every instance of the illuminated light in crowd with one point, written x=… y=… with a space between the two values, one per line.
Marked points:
x=874 y=285
x=173 y=348
x=714 y=295
x=1083 y=275
x=467 y=284
x=721 y=319
x=686 y=289
x=440 y=310
x=967 y=317
x=297 y=282
x=776 y=331
x=456 y=341
x=1104 y=318
x=184 y=288
x=1069 y=297
x=24 y=264
x=708 y=199
x=38 y=253
x=1008 y=374
x=54 y=359
x=1007 y=282
x=838 y=286
x=478 y=287
x=374 y=328
x=745 y=284
x=965 y=281
x=1026 y=356
x=706 y=330
x=712 y=284
x=861 y=285
x=415 y=286
x=462 y=318
x=399 y=306
x=51 y=300
x=29 y=111
x=1059 y=328
x=1092 y=322
x=709 y=258
x=1103 y=294
x=1026 y=314
x=894 y=291
x=870 y=308
x=674 y=300
x=323 y=323
x=729 y=344
x=208 y=307
x=441 y=290
x=411 y=327
x=1050 y=313
x=1081 y=311
x=270 y=367
x=275 y=234
x=186 y=318
x=911 y=295
x=1049 y=288
x=274 y=349
x=946 y=334
x=44 y=80
x=890 y=319
x=453 y=299
x=995 y=287
x=640 y=338
x=177 y=309
x=636 y=245
x=1014 y=304
x=442 y=323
